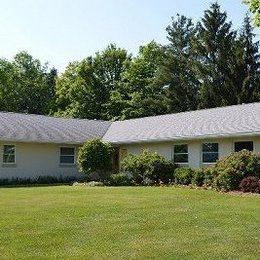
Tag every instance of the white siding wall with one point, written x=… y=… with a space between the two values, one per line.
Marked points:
x=34 y=160
x=226 y=146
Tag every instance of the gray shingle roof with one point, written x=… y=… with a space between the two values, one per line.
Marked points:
x=239 y=120
x=45 y=129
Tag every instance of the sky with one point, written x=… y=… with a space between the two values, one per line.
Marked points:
x=62 y=31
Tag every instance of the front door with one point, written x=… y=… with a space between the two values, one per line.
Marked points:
x=115 y=165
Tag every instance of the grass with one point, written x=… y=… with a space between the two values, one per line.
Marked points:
x=127 y=223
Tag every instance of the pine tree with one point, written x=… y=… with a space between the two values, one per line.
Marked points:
x=176 y=72
x=214 y=48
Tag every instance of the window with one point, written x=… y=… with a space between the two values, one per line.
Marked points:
x=209 y=152
x=67 y=155
x=180 y=154
x=9 y=154
x=248 y=145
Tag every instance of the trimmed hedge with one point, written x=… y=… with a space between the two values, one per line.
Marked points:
x=37 y=180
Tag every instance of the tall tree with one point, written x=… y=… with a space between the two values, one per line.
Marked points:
x=137 y=96
x=246 y=69
x=84 y=88
x=176 y=71
x=214 y=46
x=24 y=85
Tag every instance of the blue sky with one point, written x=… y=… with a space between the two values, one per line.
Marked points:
x=61 y=31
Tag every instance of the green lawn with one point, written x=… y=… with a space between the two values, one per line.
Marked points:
x=127 y=223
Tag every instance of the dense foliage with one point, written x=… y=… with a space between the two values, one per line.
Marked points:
x=254 y=6
x=205 y=64
x=231 y=170
x=183 y=175
x=95 y=156
x=250 y=184
x=148 y=168
x=120 y=179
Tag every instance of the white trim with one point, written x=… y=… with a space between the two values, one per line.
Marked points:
x=173 y=153
x=201 y=148
x=74 y=155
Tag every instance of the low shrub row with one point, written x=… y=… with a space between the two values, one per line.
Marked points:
x=37 y=180
x=238 y=171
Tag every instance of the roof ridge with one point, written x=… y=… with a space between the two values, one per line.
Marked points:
x=54 y=116
x=186 y=112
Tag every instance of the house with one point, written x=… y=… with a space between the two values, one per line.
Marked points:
x=35 y=145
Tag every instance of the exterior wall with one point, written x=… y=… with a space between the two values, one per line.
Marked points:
x=226 y=146
x=34 y=160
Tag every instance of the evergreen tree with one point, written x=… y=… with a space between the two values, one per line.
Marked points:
x=176 y=73
x=214 y=48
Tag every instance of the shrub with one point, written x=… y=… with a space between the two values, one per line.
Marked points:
x=96 y=156
x=120 y=179
x=149 y=167
x=250 y=184
x=231 y=170
x=183 y=175
x=37 y=180
x=208 y=177
x=89 y=184
x=198 y=177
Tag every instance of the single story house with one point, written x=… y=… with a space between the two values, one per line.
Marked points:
x=36 y=145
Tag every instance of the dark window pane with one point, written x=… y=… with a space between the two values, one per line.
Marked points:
x=9 y=149
x=209 y=157
x=244 y=145
x=180 y=158
x=67 y=159
x=210 y=147
x=9 y=158
x=183 y=148
x=66 y=151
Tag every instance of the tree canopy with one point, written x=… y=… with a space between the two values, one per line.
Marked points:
x=205 y=64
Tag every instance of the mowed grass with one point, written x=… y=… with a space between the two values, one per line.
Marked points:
x=127 y=223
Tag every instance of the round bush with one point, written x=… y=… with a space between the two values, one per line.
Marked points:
x=148 y=168
x=250 y=184
x=198 y=177
x=96 y=156
x=231 y=170
x=183 y=175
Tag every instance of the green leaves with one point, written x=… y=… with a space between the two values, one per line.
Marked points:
x=95 y=156
x=254 y=7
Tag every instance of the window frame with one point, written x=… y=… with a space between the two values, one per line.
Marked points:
x=74 y=155
x=173 y=153
x=9 y=163
x=202 y=153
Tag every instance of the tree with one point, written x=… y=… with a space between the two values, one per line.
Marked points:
x=176 y=71
x=246 y=66
x=84 y=88
x=214 y=47
x=136 y=95
x=25 y=85
x=254 y=6
x=96 y=156
x=74 y=95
